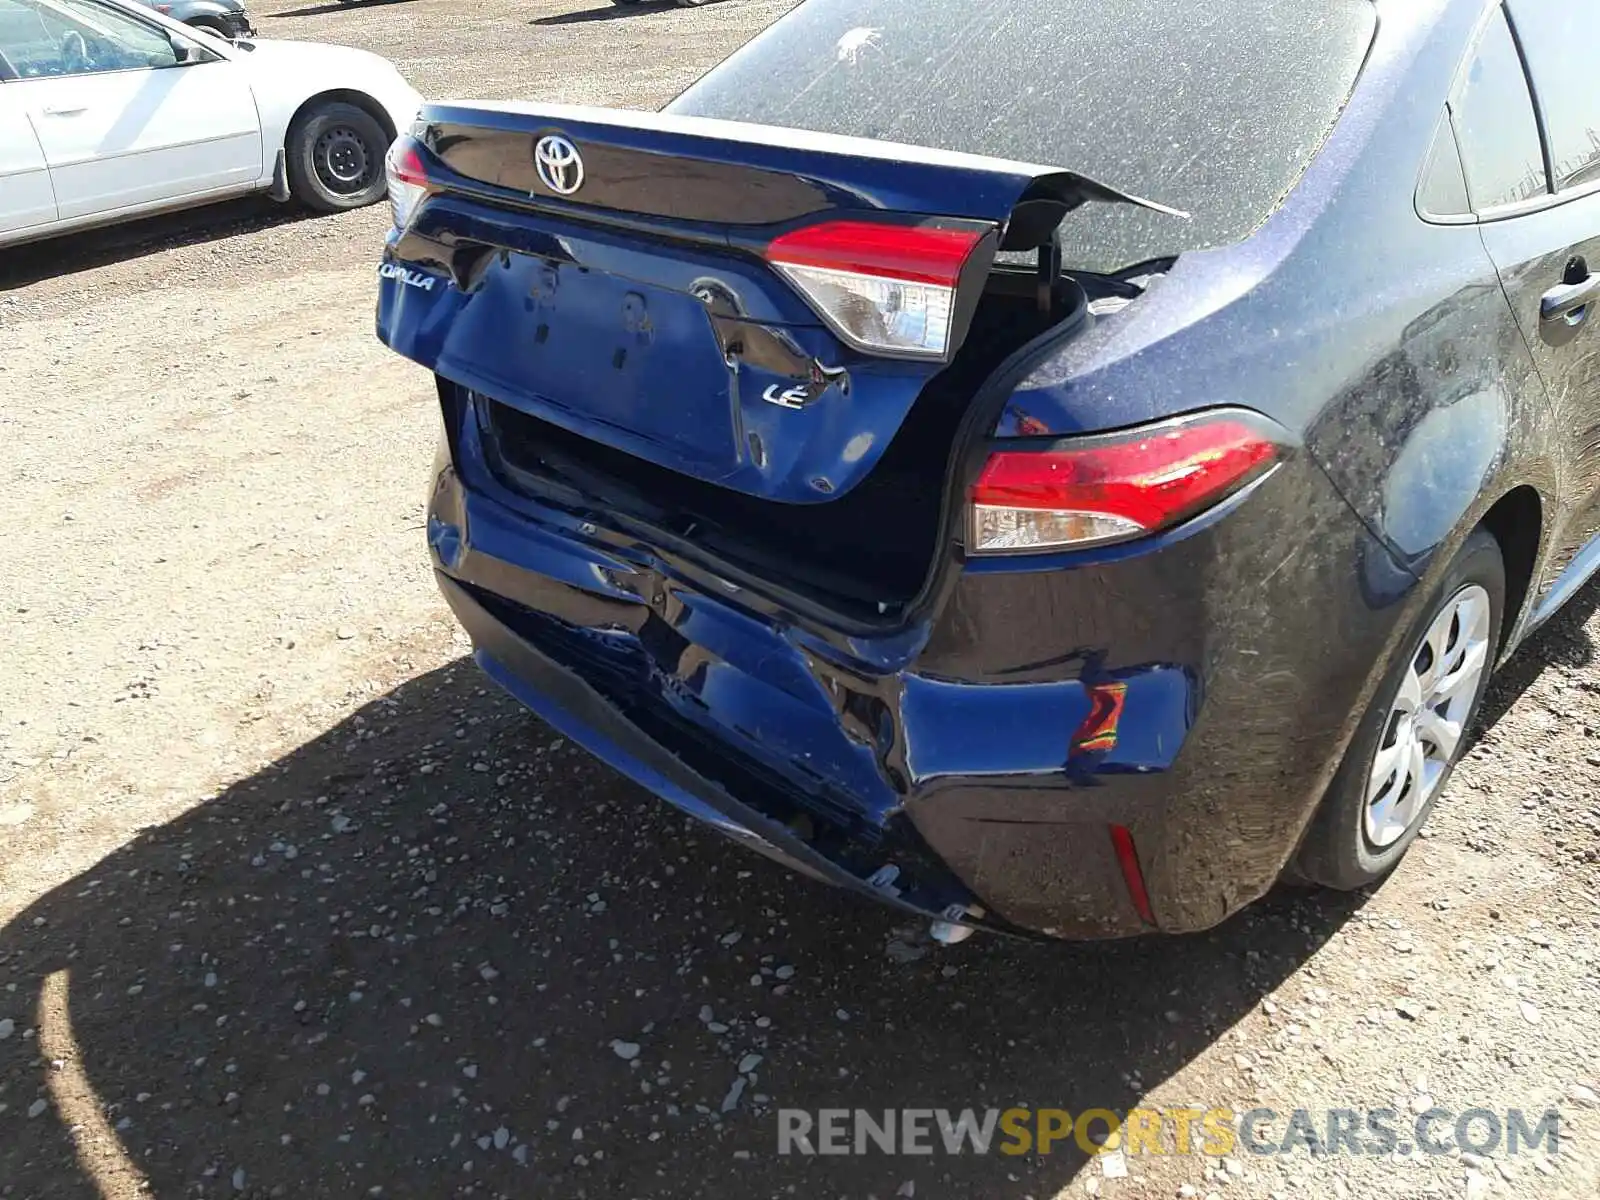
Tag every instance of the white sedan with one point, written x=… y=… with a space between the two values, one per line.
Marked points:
x=110 y=111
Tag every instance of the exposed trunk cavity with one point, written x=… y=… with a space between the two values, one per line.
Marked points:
x=867 y=553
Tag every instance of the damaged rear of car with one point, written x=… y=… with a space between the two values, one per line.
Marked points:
x=808 y=454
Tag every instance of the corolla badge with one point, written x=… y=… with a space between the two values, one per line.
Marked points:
x=406 y=276
x=559 y=165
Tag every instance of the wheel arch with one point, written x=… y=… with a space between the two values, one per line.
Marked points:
x=1517 y=522
x=360 y=99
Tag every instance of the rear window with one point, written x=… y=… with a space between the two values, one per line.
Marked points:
x=1561 y=39
x=1215 y=108
x=1495 y=126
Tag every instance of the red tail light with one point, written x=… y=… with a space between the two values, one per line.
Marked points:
x=1110 y=489
x=408 y=179
x=887 y=288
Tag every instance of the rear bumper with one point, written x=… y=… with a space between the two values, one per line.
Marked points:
x=578 y=711
x=1197 y=694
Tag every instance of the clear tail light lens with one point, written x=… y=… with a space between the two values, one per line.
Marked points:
x=408 y=179
x=1113 y=488
x=885 y=288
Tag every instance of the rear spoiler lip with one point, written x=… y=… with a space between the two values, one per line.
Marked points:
x=1031 y=179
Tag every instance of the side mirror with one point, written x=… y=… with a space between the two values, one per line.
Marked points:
x=195 y=51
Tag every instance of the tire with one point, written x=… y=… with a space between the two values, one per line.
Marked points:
x=209 y=25
x=1350 y=844
x=334 y=156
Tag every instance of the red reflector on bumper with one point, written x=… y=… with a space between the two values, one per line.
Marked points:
x=1128 y=860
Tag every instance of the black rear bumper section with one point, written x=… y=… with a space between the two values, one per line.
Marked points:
x=592 y=720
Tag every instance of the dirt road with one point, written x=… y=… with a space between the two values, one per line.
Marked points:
x=293 y=903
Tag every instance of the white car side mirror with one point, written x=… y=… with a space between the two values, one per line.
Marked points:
x=195 y=53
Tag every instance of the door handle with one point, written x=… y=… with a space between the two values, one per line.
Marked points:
x=53 y=111
x=1570 y=302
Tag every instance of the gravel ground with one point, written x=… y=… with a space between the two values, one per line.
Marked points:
x=293 y=904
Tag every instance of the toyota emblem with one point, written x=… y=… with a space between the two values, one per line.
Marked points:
x=559 y=166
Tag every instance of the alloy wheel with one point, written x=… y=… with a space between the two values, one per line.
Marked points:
x=1428 y=716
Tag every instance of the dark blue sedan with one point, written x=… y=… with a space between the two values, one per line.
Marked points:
x=1059 y=470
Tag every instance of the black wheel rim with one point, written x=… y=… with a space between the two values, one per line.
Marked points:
x=343 y=162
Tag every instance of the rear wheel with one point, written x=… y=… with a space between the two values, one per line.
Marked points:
x=1409 y=741
x=335 y=157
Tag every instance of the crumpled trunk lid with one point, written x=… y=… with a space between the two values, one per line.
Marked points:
x=621 y=292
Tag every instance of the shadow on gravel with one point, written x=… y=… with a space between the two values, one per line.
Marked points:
x=84 y=251
x=318 y=10
x=399 y=958
x=608 y=12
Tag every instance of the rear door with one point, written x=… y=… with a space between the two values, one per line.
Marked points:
x=1532 y=162
x=121 y=120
